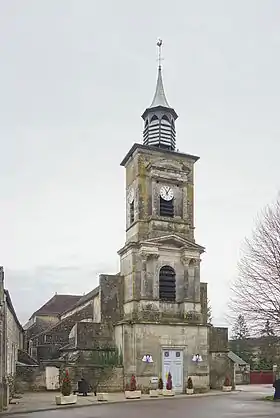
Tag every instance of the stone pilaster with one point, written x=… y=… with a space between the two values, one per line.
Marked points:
x=184 y=294
x=148 y=274
x=197 y=281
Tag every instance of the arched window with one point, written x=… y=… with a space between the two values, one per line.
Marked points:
x=165 y=118
x=167 y=284
x=154 y=118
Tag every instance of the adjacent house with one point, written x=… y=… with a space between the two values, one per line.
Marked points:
x=46 y=317
x=11 y=341
x=14 y=335
x=47 y=343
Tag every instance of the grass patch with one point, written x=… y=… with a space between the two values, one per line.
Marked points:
x=268 y=398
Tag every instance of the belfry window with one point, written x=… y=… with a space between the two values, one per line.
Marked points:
x=167 y=284
x=131 y=212
x=166 y=207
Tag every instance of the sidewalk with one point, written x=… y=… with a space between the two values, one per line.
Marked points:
x=45 y=401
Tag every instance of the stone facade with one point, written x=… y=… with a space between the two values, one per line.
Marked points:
x=11 y=341
x=157 y=304
x=126 y=311
x=14 y=335
x=151 y=324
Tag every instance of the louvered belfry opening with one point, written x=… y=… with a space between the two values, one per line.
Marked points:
x=159 y=131
x=166 y=208
x=167 y=284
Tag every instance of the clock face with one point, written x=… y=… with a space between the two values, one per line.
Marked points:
x=130 y=195
x=166 y=193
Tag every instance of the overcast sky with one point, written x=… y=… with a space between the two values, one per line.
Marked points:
x=75 y=77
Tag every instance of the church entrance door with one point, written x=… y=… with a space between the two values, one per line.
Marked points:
x=172 y=361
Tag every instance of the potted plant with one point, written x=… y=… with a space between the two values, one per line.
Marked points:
x=227 y=385
x=66 y=397
x=131 y=392
x=160 y=386
x=190 y=386
x=168 y=391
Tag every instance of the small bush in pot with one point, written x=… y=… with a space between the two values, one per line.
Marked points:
x=66 y=397
x=132 y=392
x=168 y=391
x=66 y=387
x=169 y=382
x=160 y=386
x=227 y=385
x=132 y=383
x=190 y=389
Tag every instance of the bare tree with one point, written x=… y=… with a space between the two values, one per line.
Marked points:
x=256 y=290
x=209 y=313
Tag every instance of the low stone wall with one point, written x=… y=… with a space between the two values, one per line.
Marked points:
x=29 y=378
x=101 y=378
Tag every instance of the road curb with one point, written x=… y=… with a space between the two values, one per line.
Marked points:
x=75 y=406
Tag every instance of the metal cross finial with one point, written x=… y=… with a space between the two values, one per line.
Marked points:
x=159 y=44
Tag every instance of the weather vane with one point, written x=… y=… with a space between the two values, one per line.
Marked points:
x=159 y=44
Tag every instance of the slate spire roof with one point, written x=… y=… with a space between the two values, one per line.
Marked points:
x=159 y=97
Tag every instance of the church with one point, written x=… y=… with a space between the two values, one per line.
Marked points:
x=155 y=309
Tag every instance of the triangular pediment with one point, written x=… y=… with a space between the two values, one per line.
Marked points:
x=176 y=241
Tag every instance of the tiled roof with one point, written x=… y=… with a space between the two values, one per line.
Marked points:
x=57 y=304
x=236 y=359
x=84 y=299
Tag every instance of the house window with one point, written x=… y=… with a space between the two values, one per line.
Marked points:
x=167 y=284
x=131 y=212
x=166 y=208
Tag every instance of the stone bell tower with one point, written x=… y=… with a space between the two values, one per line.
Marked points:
x=160 y=261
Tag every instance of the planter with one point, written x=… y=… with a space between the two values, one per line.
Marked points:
x=102 y=396
x=227 y=388
x=153 y=393
x=132 y=394
x=65 y=400
x=167 y=392
x=190 y=391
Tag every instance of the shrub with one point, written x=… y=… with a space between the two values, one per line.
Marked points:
x=133 y=383
x=169 y=382
x=66 y=388
x=160 y=383
x=190 y=383
x=227 y=382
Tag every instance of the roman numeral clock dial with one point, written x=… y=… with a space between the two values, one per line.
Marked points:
x=166 y=193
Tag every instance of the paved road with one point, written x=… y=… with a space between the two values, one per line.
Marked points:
x=241 y=405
